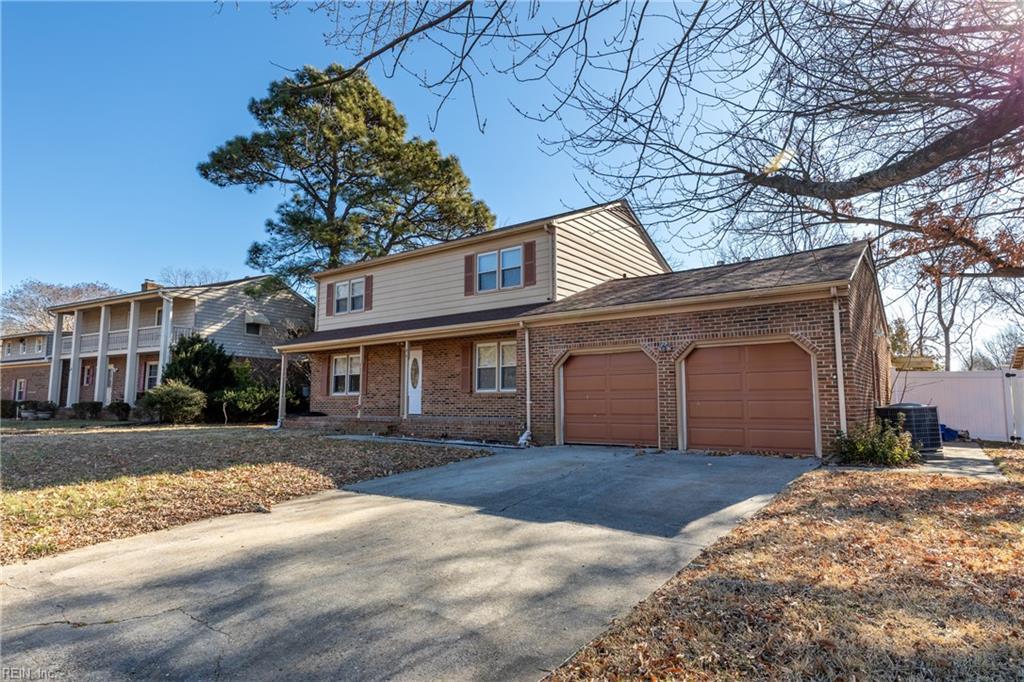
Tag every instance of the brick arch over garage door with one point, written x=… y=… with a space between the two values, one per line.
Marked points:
x=750 y=397
x=610 y=398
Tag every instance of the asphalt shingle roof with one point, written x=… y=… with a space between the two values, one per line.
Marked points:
x=827 y=264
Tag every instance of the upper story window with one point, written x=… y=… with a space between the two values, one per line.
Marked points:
x=159 y=317
x=22 y=347
x=7 y=348
x=349 y=296
x=39 y=345
x=499 y=269
x=253 y=328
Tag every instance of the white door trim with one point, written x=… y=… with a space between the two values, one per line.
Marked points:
x=414 y=382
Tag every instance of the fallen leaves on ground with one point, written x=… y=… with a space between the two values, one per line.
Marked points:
x=1008 y=457
x=847 y=575
x=70 y=490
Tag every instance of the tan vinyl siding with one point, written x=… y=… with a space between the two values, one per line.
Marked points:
x=218 y=313
x=119 y=316
x=30 y=348
x=599 y=246
x=434 y=285
x=147 y=312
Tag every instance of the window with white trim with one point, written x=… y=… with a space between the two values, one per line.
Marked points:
x=495 y=368
x=349 y=296
x=22 y=347
x=39 y=345
x=20 y=389
x=346 y=374
x=512 y=267
x=152 y=375
x=158 y=317
x=487 y=271
x=8 y=347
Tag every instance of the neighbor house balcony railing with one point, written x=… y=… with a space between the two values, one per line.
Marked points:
x=148 y=339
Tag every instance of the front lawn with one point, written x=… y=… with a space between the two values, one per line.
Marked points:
x=12 y=426
x=67 y=490
x=847 y=575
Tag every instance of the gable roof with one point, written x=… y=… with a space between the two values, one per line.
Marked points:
x=164 y=289
x=831 y=264
x=504 y=231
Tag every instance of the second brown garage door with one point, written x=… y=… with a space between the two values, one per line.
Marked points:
x=610 y=398
x=756 y=397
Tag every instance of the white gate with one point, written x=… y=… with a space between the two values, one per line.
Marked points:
x=989 y=404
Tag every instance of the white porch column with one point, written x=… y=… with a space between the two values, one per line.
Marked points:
x=75 y=375
x=131 y=365
x=101 y=357
x=56 y=362
x=281 y=398
x=166 y=326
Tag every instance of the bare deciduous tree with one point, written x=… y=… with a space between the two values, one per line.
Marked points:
x=23 y=307
x=183 y=277
x=785 y=122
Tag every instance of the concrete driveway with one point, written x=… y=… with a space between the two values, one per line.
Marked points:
x=495 y=568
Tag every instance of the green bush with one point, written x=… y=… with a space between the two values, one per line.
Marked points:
x=201 y=364
x=120 y=409
x=881 y=444
x=175 y=402
x=46 y=406
x=251 y=403
x=8 y=409
x=87 y=409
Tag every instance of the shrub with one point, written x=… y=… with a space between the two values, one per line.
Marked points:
x=87 y=409
x=201 y=364
x=175 y=402
x=881 y=443
x=46 y=406
x=254 y=402
x=120 y=409
x=8 y=409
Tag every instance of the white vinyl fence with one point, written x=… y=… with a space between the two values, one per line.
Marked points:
x=989 y=404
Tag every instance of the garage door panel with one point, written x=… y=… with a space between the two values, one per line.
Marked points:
x=779 y=380
x=722 y=383
x=712 y=409
x=710 y=437
x=797 y=410
x=610 y=398
x=750 y=397
x=781 y=440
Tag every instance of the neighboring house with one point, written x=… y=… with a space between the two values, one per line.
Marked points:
x=1017 y=361
x=573 y=328
x=25 y=365
x=120 y=344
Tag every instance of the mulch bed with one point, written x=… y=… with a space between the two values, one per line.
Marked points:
x=75 y=489
x=847 y=575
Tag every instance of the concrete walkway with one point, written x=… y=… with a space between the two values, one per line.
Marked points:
x=963 y=459
x=495 y=568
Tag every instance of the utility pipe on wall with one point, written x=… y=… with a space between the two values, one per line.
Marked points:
x=837 y=330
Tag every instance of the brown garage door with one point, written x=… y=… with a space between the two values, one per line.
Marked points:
x=755 y=397
x=610 y=398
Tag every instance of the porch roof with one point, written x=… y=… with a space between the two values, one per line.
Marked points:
x=423 y=324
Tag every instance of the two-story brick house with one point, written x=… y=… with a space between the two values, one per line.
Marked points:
x=119 y=344
x=574 y=329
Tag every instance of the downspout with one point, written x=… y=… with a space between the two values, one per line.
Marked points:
x=362 y=381
x=525 y=437
x=839 y=359
x=405 y=381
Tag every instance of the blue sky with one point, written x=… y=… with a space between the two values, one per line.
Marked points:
x=107 y=109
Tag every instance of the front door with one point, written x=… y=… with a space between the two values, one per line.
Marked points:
x=110 y=385
x=414 y=382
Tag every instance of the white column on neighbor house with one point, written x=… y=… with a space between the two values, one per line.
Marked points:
x=131 y=365
x=75 y=375
x=166 y=326
x=56 y=361
x=100 y=381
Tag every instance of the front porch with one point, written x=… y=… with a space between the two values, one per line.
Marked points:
x=465 y=387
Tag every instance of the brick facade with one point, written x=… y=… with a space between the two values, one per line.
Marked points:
x=666 y=338
x=447 y=411
x=37 y=380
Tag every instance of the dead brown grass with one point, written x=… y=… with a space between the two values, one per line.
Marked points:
x=74 y=489
x=1009 y=458
x=847 y=575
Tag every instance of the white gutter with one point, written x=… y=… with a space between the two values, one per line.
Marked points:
x=836 y=329
x=529 y=397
